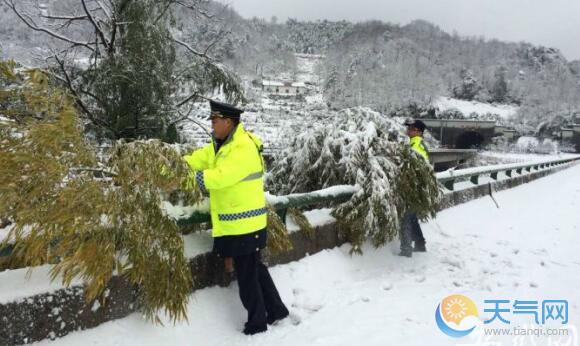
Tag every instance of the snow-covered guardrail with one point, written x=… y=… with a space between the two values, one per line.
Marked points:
x=448 y=178
x=337 y=194
x=342 y=193
x=334 y=194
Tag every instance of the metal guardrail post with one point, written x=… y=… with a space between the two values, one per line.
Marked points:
x=6 y=251
x=449 y=184
x=282 y=214
x=447 y=179
x=474 y=179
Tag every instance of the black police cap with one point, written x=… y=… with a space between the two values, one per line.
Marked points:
x=418 y=124
x=224 y=110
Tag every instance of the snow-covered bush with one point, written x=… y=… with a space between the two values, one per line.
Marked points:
x=527 y=144
x=451 y=113
x=360 y=147
x=567 y=147
x=499 y=143
x=547 y=146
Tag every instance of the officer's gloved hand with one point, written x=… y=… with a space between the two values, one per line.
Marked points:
x=189 y=182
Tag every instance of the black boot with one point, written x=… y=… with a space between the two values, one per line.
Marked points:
x=251 y=330
x=277 y=317
x=419 y=247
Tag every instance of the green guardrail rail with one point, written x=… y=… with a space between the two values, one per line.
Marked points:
x=342 y=193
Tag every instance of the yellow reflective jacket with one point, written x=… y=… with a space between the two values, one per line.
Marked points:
x=419 y=147
x=234 y=179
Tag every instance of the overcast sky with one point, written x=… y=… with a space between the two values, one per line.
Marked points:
x=553 y=23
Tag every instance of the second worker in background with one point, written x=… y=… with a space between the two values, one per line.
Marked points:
x=410 y=227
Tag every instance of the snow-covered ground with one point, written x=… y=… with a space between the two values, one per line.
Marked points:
x=527 y=249
x=495 y=157
x=480 y=108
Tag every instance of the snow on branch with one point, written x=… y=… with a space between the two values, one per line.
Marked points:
x=27 y=19
x=363 y=148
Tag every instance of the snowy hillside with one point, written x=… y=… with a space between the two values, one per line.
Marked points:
x=385 y=66
x=468 y=108
x=275 y=119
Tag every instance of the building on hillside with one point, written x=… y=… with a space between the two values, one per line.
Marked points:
x=284 y=88
x=506 y=132
x=566 y=134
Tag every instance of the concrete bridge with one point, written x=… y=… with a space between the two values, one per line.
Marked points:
x=462 y=133
x=471 y=134
x=443 y=159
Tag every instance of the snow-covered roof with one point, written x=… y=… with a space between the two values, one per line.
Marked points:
x=469 y=107
x=272 y=83
x=459 y=123
x=310 y=56
x=84 y=63
x=282 y=84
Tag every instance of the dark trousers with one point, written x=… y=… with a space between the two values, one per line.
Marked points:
x=257 y=290
x=410 y=231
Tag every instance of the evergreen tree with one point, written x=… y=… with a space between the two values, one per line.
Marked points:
x=499 y=91
x=135 y=85
x=171 y=136
x=126 y=80
x=469 y=86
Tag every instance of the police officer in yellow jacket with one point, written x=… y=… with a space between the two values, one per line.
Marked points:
x=231 y=169
x=410 y=227
x=415 y=131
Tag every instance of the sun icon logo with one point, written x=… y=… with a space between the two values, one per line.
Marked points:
x=454 y=310
x=457 y=315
